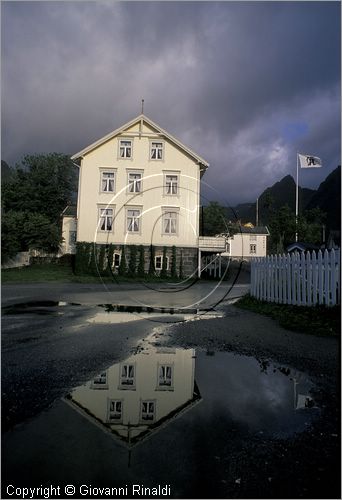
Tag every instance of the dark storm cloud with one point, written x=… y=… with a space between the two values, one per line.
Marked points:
x=244 y=84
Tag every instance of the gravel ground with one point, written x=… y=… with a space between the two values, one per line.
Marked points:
x=305 y=466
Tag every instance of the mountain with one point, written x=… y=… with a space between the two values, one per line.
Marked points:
x=281 y=193
x=328 y=199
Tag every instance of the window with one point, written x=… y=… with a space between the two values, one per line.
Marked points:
x=134 y=182
x=171 y=184
x=114 y=410
x=127 y=376
x=106 y=219
x=116 y=260
x=158 y=263
x=125 y=148
x=72 y=237
x=107 y=182
x=252 y=248
x=156 y=150
x=148 y=410
x=133 y=220
x=165 y=376
x=170 y=222
x=100 y=381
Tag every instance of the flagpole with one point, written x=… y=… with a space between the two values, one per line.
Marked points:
x=297 y=201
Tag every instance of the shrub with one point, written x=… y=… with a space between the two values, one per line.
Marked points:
x=141 y=266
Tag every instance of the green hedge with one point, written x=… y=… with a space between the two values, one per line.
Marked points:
x=97 y=259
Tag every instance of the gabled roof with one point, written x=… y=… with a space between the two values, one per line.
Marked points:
x=301 y=247
x=254 y=230
x=151 y=124
x=69 y=211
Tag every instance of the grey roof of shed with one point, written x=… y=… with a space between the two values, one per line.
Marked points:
x=254 y=230
x=69 y=211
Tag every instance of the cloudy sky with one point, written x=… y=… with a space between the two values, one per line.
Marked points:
x=244 y=84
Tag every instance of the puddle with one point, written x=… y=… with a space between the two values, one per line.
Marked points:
x=133 y=399
x=115 y=313
x=36 y=307
x=180 y=418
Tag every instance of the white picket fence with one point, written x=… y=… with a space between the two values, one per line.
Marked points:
x=298 y=278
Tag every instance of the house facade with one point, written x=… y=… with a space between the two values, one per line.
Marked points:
x=217 y=252
x=248 y=243
x=140 y=186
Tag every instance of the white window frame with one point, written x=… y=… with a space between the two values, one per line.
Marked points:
x=128 y=381
x=134 y=219
x=125 y=147
x=100 y=382
x=102 y=208
x=165 y=376
x=114 y=411
x=169 y=185
x=148 y=416
x=135 y=183
x=161 y=262
x=167 y=217
x=103 y=171
x=72 y=238
x=252 y=249
x=157 y=149
x=116 y=254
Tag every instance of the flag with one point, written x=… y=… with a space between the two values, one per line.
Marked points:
x=307 y=161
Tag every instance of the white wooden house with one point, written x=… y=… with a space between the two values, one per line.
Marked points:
x=139 y=185
x=248 y=243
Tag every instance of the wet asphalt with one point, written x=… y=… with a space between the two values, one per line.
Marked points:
x=49 y=350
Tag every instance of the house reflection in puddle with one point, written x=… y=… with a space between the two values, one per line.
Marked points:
x=136 y=397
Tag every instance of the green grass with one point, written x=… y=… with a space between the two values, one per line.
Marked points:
x=317 y=320
x=39 y=273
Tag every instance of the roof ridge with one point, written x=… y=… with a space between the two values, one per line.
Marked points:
x=150 y=122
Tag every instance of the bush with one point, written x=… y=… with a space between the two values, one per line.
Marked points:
x=123 y=266
x=141 y=266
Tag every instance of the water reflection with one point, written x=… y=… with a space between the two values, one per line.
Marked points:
x=143 y=393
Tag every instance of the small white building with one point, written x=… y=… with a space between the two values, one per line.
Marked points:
x=248 y=243
x=69 y=230
x=216 y=252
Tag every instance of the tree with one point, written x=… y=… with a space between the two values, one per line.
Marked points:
x=310 y=226
x=174 y=263
x=122 y=267
x=110 y=256
x=43 y=184
x=163 y=272
x=132 y=266
x=214 y=219
x=151 y=269
x=283 y=228
x=23 y=231
x=141 y=265
x=102 y=258
x=181 y=266
x=37 y=191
